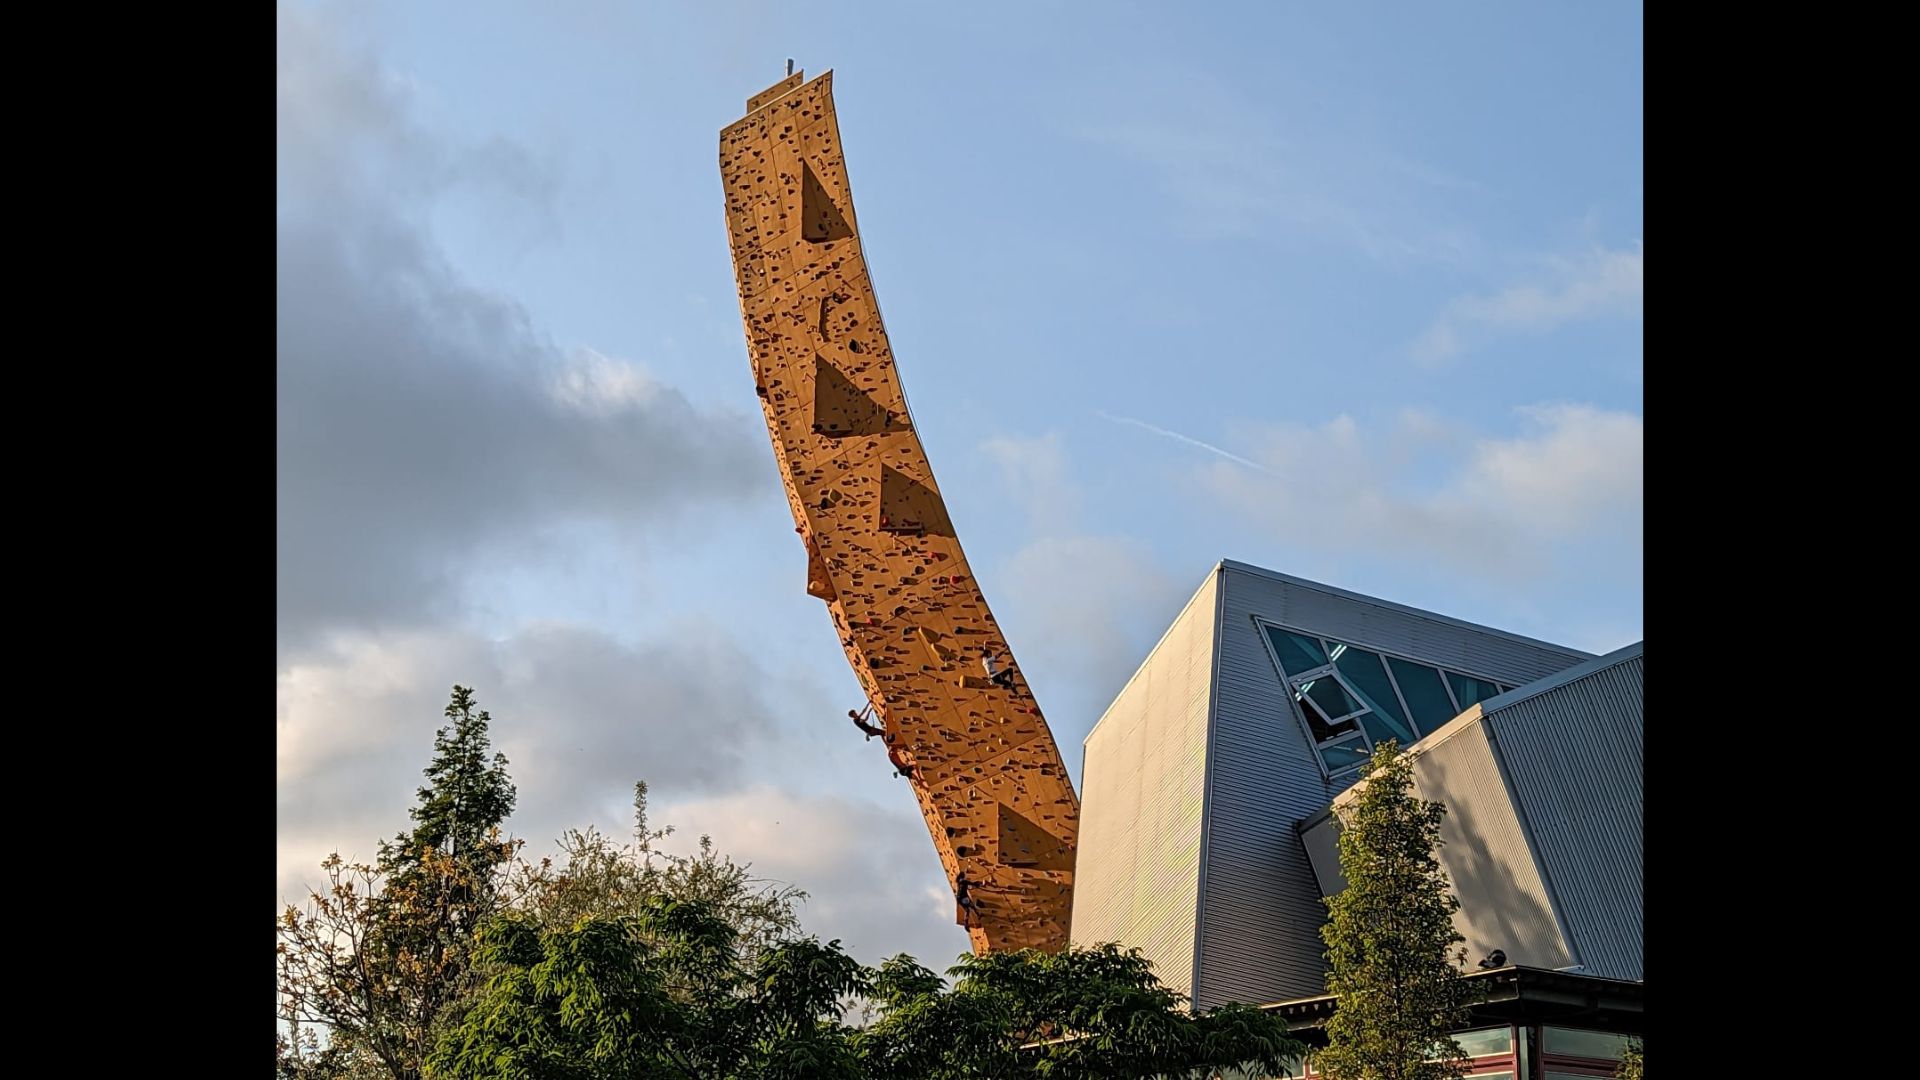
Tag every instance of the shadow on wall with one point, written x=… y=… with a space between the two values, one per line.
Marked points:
x=1502 y=899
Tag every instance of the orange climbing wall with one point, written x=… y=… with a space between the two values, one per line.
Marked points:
x=881 y=549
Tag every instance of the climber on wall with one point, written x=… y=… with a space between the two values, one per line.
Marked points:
x=997 y=675
x=963 y=895
x=860 y=721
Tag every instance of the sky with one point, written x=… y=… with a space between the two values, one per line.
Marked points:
x=1353 y=292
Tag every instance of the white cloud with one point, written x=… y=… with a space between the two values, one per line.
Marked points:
x=599 y=386
x=869 y=870
x=1497 y=507
x=579 y=715
x=1602 y=283
x=1082 y=609
x=1033 y=471
x=1575 y=465
x=1090 y=606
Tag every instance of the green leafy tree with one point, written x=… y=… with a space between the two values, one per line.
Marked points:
x=595 y=876
x=1081 y=1013
x=1632 y=1062
x=670 y=994
x=377 y=956
x=1391 y=944
x=665 y=993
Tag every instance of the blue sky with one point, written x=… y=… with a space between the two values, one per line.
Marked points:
x=1349 y=291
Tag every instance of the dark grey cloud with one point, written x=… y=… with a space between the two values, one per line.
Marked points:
x=422 y=421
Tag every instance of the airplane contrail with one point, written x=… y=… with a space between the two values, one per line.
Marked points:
x=1188 y=439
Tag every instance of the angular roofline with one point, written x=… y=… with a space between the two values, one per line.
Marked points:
x=1431 y=616
x=1210 y=581
x=1561 y=678
x=1479 y=711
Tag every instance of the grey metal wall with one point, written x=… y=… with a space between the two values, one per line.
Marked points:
x=1259 y=904
x=1322 y=842
x=1138 y=868
x=1483 y=848
x=1575 y=754
x=1504 y=902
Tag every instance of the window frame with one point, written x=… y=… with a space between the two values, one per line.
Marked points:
x=1298 y=702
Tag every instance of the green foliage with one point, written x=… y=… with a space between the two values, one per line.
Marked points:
x=1632 y=1063
x=383 y=957
x=670 y=993
x=1391 y=943
x=378 y=955
x=450 y=958
x=466 y=800
x=1081 y=1013
x=597 y=877
x=665 y=993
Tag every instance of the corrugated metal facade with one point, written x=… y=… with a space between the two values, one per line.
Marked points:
x=1144 y=771
x=1259 y=909
x=1543 y=838
x=1574 y=755
x=1504 y=903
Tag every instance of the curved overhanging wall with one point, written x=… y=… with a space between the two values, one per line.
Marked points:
x=881 y=550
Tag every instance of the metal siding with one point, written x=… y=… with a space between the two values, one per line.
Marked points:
x=1574 y=755
x=1260 y=909
x=1504 y=903
x=1141 y=802
x=1323 y=854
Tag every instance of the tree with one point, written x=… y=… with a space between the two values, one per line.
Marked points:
x=1632 y=1062
x=466 y=800
x=670 y=994
x=377 y=957
x=596 y=876
x=1391 y=943
x=383 y=956
x=665 y=993
x=1081 y=1013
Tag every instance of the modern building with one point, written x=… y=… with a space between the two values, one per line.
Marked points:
x=1542 y=839
x=1212 y=783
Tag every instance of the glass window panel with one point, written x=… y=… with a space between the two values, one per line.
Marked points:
x=1344 y=756
x=1470 y=690
x=1367 y=679
x=1485 y=1041
x=1362 y=670
x=1380 y=729
x=1573 y=1042
x=1332 y=698
x=1323 y=729
x=1425 y=694
x=1296 y=653
x=1503 y=1074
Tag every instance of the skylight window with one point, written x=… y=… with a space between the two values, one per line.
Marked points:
x=1351 y=699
